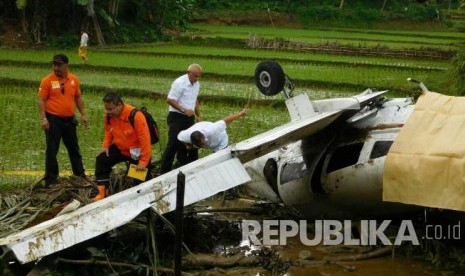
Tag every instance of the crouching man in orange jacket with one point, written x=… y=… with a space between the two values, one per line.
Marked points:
x=122 y=142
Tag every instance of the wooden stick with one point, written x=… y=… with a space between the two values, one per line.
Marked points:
x=126 y=265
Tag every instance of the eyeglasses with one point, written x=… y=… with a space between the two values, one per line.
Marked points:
x=62 y=87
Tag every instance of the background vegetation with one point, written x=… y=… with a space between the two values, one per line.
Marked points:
x=57 y=23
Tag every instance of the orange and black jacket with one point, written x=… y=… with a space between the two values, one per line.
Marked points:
x=120 y=132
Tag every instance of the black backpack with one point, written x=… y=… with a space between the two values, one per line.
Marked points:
x=153 y=128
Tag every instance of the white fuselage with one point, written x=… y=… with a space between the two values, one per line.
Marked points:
x=337 y=172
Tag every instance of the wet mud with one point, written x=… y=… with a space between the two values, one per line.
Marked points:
x=214 y=245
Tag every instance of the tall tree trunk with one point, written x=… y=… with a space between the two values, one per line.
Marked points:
x=37 y=23
x=23 y=20
x=113 y=8
x=98 y=31
x=341 y=5
x=21 y=6
x=384 y=5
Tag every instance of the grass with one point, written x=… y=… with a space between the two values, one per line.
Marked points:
x=342 y=42
x=396 y=40
x=18 y=152
x=145 y=83
x=244 y=54
x=334 y=32
x=310 y=76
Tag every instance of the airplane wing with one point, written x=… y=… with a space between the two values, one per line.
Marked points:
x=283 y=135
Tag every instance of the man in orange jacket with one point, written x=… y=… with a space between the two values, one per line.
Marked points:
x=121 y=142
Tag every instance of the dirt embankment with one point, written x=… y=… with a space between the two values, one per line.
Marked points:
x=251 y=18
x=11 y=36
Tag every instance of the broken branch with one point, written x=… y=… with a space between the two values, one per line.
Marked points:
x=118 y=264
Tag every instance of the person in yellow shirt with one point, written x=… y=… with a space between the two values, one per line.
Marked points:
x=122 y=142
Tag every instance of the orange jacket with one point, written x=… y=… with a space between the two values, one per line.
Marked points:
x=121 y=133
x=56 y=102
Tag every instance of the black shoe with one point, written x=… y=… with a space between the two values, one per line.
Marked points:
x=50 y=181
x=83 y=176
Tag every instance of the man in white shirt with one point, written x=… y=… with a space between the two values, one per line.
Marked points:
x=209 y=135
x=83 y=46
x=183 y=110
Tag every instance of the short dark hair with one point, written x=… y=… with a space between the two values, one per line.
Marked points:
x=196 y=138
x=112 y=97
x=60 y=58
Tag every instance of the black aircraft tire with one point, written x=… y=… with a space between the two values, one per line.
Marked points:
x=269 y=77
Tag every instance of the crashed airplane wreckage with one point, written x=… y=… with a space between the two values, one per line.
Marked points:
x=327 y=160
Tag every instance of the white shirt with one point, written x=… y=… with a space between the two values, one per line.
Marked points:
x=184 y=92
x=215 y=134
x=84 y=39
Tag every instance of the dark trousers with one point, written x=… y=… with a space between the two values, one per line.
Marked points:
x=177 y=122
x=61 y=128
x=104 y=165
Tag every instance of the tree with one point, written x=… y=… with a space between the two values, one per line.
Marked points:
x=90 y=7
x=21 y=5
x=461 y=4
x=384 y=5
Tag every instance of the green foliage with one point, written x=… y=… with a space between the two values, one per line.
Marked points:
x=458 y=73
x=177 y=13
x=339 y=17
x=318 y=13
x=82 y=2
x=21 y=4
x=413 y=12
x=418 y=13
x=326 y=12
x=63 y=41
x=130 y=33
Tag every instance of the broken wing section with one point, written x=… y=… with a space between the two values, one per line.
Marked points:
x=219 y=174
x=272 y=140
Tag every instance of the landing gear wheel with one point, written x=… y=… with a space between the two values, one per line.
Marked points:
x=269 y=77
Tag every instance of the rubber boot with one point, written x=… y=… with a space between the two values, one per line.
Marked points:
x=101 y=193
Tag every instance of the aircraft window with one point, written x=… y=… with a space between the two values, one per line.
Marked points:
x=380 y=149
x=344 y=156
x=293 y=170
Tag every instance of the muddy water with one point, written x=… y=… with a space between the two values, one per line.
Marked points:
x=309 y=258
x=386 y=265
x=381 y=266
